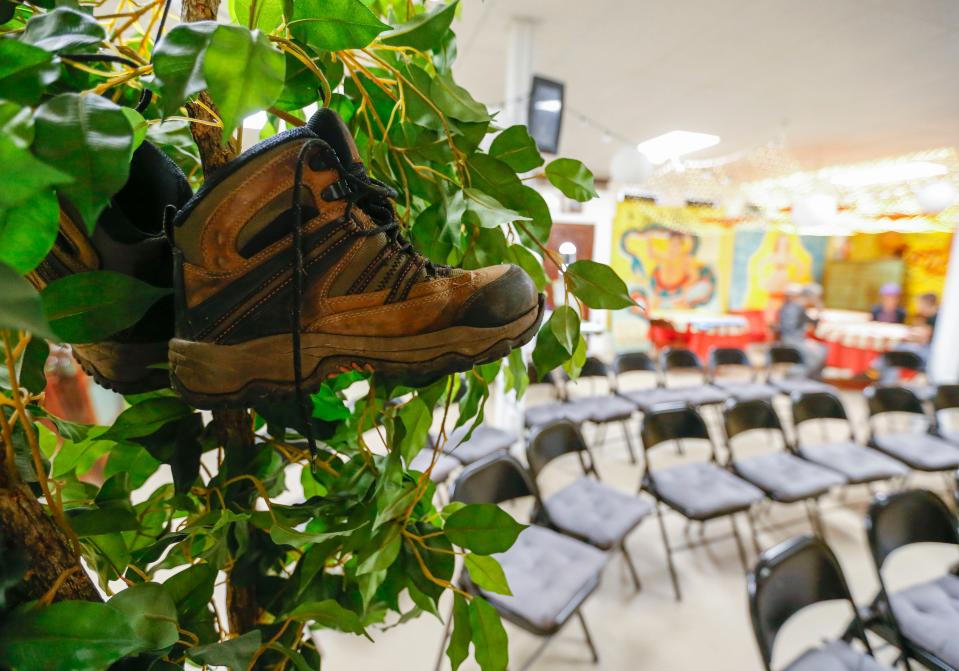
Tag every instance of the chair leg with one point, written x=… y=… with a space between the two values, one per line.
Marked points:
x=814 y=521
x=753 y=532
x=539 y=651
x=669 y=552
x=739 y=544
x=629 y=442
x=446 y=635
x=589 y=639
x=632 y=567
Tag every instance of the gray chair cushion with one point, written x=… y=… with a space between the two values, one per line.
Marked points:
x=486 y=440
x=802 y=385
x=700 y=395
x=928 y=615
x=857 y=463
x=603 y=409
x=835 y=656
x=648 y=399
x=785 y=477
x=445 y=464
x=550 y=575
x=748 y=391
x=919 y=450
x=538 y=415
x=599 y=514
x=702 y=491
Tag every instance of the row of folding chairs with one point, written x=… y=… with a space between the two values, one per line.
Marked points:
x=922 y=620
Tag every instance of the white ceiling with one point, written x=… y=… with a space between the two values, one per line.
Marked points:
x=838 y=80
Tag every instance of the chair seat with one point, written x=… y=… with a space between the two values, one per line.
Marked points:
x=802 y=385
x=700 y=395
x=748 y=391
x=445 y=464
x=859 y=464
x=786 y=478
x=702 y=491
x=538 y=415
x=486 y=440
x=928 y=615
x=648 y=399
x=595 y=512
x=921 y=451
x=835 y=656
x=549 y=575
x=603 y=409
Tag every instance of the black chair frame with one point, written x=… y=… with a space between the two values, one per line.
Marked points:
x=595 y=367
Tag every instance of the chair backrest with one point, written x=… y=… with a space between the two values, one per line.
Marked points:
x=904 y=518
x=947 y=396
x=634 y=361
x=554 y=440
x=727 y=356
x=496 y=479
x=893 y=399
x=594 y=367
x=817 y=405
x=903 y=359
x=789 y=577
x=779 y=354
x=678 y=357
x=742 y=416
x=675 y=422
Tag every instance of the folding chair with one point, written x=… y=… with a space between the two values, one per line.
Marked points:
x=586 y=508
x=911 y=442
x=786 y=357
x=946 y=400
x=699 y=491
x=904 y=360
x=858 y=463
x=647 y=398
x=550 y=574
x=485 y=441
x=790 y=577
x=554 y=409
x=724 y=358
x=784 y=477
x=922 y=620
x=697 y=395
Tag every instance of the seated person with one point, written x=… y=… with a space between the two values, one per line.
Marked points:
x=920 y=337
x=795 y=318
x=889 y=309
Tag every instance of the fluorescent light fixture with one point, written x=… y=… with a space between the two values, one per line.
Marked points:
x=886 y=173
x=674 y=144
x=548 y=105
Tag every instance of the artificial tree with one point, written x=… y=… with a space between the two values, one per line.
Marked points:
x=368 y=545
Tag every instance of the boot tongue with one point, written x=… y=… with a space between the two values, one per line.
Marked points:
x=330 y=128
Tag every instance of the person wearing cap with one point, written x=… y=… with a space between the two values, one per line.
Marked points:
x=889 y=308
x=796 y=316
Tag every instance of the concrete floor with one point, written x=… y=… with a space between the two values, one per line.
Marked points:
x=650 y=631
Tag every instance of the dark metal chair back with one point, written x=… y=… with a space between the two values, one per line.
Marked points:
x=904 y=518
x=789 y=577
x=635 y=361
x=496 y=479
x=672 y=423
x=947 y=397
x=780 y=354
x=819 y=405
x=903 y=360
x=729 y=356
x=893 y=399
x=742 y=416
x=555 y=440
x=674 y=358
x=594 y=367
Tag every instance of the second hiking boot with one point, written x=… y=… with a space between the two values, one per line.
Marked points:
x=365 y=299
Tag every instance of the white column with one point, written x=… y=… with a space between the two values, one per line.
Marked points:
x=945 y=353
x=519 y=69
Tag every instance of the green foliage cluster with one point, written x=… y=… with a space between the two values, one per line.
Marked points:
x=368 y=546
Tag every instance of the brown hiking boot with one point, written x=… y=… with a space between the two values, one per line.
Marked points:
x=367 y=300
x=128 y=239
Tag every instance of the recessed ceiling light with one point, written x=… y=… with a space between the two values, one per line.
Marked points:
x=886 y=173
x=675 y=143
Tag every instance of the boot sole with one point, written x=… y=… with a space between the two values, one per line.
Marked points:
x=213 y=376
x=126 y=368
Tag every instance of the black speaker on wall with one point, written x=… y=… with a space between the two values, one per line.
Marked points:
x=545 y=117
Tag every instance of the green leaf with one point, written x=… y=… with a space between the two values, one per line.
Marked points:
x=333 y=25
x=191 y=589
x=89 y=138
x=63 y=29
x=66 y=636
x=528 y=202
x=424 y=31
x=516 y=375
x=575 y=364
x=598 y=285
x=267 y=17
x=572 y=178
x=99 y=521
x=564 y=322
x=178 y=63
x=490 y=644
x=151 y=612
x=548 y=352
x=243 y=73
x=234 y=653
x=484 y=528
x=528 y=261
x=16 y=122
x=516 y=148
x=91 y=306
x=23 y=176
x=28 y=231
x=145 y=418
x=17 y=56
x=20 y=304
x=329 y=615
x=383 y=556
x=32 y=365
x=455 y=101
x=485 y=211
x=487 y=574
x=459 y=647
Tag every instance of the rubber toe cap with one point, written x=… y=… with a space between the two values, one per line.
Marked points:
x=503 y=300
